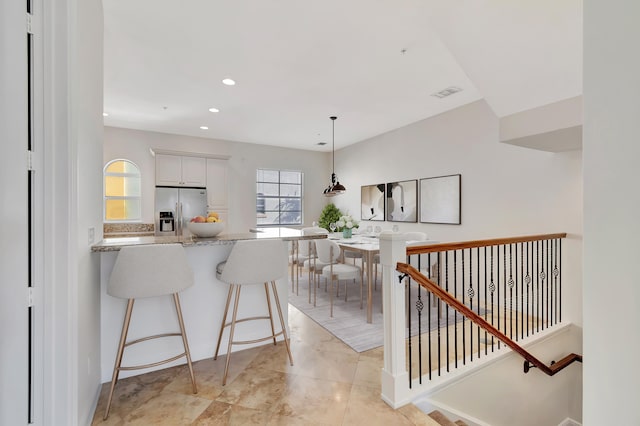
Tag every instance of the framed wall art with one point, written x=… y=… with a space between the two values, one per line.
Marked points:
x=440 y=200
x=402 y=201
x=372 y=202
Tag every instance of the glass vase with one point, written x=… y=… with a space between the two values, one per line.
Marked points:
x=347 y=232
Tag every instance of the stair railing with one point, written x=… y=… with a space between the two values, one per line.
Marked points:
x=510 y=288
x=530 y=360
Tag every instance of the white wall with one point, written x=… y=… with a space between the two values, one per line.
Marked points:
x=86 y=138
x=72 y=33
x=611 y=205
x=506 y=190
x=245 y=159
x=537 y=399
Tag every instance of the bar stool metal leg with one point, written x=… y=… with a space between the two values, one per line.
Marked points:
x=273 y=331
x=116 y=367
x=183 y=333
x=233 y=327
x=284 y=329
x=224 y=321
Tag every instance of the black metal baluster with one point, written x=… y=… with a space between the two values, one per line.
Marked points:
x=455 y=311
x=429 y=296
x=528 y=280
x=548 y=259
x=464 y=352
x=552 y=269
x=504 y=287
x=560 y=280
x=550 y=282
x=471 y=294
x=478 y=280
x=518 y=311
x=541 y=274
x=486 y=313
x=446 y=307
x=498 y=287
x=408 y=302
x=521 y=287
x=419 y=306
x=439 y=311
x=545 y=284
x=537 y=286
x=555 y=280
x=492 y=288
x=511 y=283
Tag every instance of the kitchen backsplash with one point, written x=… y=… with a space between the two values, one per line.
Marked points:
x=127 y=229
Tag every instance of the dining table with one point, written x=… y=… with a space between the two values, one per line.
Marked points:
x=368 y=245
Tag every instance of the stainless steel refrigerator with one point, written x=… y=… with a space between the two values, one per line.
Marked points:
x=176 y=206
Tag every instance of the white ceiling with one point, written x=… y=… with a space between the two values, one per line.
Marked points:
x=298 y=62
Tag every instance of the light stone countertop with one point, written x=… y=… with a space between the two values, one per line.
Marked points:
x=285 y=234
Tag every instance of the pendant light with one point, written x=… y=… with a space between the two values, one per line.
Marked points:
x=335 y=187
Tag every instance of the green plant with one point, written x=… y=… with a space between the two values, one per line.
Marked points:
x=329 y=214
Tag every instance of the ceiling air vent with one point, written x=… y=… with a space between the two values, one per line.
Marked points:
x=446 y=92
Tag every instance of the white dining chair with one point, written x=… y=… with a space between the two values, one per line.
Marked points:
x=329 y=253
x=302 y=253
x=149 y=271
x=310 y=246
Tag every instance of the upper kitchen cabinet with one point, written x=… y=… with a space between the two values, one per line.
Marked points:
x=175 y=170
x=217 y=184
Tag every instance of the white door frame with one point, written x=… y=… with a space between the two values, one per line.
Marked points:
x=14 y=217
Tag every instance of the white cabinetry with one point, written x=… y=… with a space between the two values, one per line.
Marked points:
x=217 y=184
x=175 y=170
x=218 y=188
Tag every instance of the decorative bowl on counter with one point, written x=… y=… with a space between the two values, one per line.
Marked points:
x=205 y=229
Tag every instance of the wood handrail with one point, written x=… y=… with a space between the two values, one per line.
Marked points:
x=430 y=248
x=530 y=360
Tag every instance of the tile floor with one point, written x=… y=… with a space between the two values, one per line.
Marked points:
x=329 y=384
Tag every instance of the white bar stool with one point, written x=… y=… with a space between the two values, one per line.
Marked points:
x=252 y=262
x=149 y=271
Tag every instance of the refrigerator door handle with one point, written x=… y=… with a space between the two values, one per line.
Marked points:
x=177 y=220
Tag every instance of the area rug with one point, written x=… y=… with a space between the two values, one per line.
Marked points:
x=349 y=322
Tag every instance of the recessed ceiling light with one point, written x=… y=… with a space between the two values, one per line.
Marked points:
x=204 y=127
x=104 y=114
x=228 y=82
x=214 y=110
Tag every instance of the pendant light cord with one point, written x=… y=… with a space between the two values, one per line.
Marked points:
x=333 y=148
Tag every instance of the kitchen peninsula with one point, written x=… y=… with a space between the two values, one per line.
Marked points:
x=202 y=304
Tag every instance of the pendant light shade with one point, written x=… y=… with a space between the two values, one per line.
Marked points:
x=335 y=187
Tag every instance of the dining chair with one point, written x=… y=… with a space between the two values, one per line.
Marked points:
x=302 y=252
x=329 y=252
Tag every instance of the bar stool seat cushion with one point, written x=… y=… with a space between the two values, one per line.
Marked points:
x=150 y=270
x=267 y=264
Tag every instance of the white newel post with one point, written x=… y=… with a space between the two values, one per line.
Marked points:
x=395 y=380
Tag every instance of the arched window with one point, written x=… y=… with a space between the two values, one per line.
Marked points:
x=122 y=192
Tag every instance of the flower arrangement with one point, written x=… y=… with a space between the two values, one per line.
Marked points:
x=346 y=222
